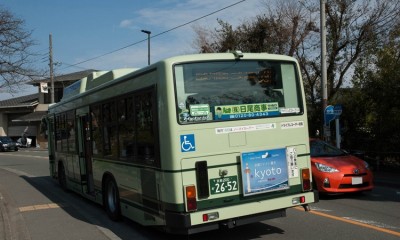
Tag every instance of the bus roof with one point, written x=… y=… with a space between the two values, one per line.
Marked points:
x=96 y=79
x=225 y=56
x=93 y=80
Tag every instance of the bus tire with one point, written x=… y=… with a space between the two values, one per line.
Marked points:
x=111 y=199
x=62 y=178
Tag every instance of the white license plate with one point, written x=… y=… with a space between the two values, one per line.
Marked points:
x=356 y=180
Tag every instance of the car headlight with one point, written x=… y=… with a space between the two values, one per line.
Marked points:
x=366 y=165
x=324 y=168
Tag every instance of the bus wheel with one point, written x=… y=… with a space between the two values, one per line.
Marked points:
x=62 y=179
x=111 y=200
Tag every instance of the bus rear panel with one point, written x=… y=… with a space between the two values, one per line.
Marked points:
x=240 y=142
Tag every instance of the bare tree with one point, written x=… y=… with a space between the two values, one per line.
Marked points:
x=15 y=58
x=353 y=28
x=280 y=31
x=202 y=41
x=292 y=27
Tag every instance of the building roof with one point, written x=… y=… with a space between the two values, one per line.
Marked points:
x=66 y=77
x=24 y=101
x=33 y=99
x=31 y=117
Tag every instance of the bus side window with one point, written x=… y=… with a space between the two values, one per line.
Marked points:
x=144 y=123
x=110 y=141
x=96 y=130
x=126 y=130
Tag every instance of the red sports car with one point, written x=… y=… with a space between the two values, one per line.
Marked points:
x=335 y=171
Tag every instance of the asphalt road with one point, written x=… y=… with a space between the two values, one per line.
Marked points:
x=33 y=206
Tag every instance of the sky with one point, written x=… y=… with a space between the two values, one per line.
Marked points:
x=106 y=34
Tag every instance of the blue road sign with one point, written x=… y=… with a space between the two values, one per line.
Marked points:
x=329 y=114
x=337 y=109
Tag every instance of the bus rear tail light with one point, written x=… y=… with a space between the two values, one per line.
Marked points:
x=191 y=202
x=306 y=179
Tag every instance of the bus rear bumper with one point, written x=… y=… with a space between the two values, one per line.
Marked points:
x=173 y=220
x=183 y=223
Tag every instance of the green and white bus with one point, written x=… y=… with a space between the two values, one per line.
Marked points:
x=188 y=144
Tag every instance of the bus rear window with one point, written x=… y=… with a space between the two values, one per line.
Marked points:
x=233 y=90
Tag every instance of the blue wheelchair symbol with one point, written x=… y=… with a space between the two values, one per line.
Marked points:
x=187 y=143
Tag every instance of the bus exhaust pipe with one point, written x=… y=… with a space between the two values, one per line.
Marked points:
x=306 y=207
x=228 y=224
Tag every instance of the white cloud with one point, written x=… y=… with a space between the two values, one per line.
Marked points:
x=127 y=23
x=178 y=41
x=184 y=12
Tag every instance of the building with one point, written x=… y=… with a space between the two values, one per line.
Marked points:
x=22 y=116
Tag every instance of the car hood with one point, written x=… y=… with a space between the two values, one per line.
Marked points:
x=10 y=143
x=340 y=162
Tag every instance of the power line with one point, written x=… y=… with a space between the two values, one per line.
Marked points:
x=192 y=21
x=70 y=65
x=156 y=35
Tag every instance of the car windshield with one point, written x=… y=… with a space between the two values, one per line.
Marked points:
x=5 y=140
x=322 y=149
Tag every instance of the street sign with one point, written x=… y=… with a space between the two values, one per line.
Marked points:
x=337 y=110
x=332 y=113
x=329 y=114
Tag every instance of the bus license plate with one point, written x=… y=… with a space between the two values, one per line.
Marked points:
x=223 y=185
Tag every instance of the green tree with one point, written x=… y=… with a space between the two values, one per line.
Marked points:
x=382 y=87
x=372 y=106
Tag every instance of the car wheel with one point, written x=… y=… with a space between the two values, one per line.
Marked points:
x=111 y=199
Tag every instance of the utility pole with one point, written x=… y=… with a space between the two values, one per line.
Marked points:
x=51 y=69
x=324 y=87
x=148 y=45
